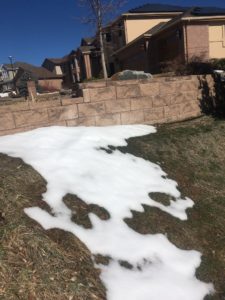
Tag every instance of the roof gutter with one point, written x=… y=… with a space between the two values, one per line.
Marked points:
x=204 y=18
x=151 y=14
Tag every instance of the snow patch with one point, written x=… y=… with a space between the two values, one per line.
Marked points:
x=3 y=95
x=72 y=160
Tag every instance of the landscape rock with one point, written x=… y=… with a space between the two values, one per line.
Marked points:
x=130 y=74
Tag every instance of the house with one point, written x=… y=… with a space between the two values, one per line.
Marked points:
x=89 y=58
x=197 y=32
x=61 y=67
x=119 y=33
x=45 y=79
x=7 y=74
x=133 y=24
x=144 y=39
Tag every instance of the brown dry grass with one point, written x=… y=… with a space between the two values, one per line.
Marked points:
x=35 y=264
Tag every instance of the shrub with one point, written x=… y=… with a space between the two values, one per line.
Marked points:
x=197 y=66
x=22 y=84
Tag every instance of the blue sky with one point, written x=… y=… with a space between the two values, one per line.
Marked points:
x=34 y=29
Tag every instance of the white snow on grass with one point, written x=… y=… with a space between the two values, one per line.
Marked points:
x=72 y=161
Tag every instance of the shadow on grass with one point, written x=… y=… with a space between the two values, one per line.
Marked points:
x=212 y=98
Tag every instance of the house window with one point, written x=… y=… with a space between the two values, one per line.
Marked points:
x=120 y=32
x=108 y=37
x=179 y=34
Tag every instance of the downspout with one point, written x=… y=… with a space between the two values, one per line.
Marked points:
x=126 y=33
x=185 y=42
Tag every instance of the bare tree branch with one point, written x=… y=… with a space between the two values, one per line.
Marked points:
x=99 y=12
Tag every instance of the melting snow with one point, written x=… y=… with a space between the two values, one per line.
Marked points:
x=72 y=161
x=2 y=95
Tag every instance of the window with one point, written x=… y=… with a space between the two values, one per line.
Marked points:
x=108 y=37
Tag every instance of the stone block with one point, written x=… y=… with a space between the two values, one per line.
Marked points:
x=91 y=109
x=32 y=91
x=149 y=89
x=117 y=106
x=94 y=84
x=123 y=82
x=90 y=121
x=167 y=88
x=43 y=104
x=102 y=94
x=141 y=103
x=56 y=123
x=187 y=85
x=159 y=101
x=62 y=113
x=31 y=117
x=13 y=107
x=132 y=117
x=154 y=114
x=128 y=91
x=86 y=95
x=108 y=119
x=178 y=98
x=6 y=121
x=69 y=101
x=190 y=107
x=13 y=131
x=172 y=110
x=171 y=119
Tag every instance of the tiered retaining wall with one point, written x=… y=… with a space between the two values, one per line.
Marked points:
x=103 y=103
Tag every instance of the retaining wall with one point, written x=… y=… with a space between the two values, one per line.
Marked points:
x=103 y=103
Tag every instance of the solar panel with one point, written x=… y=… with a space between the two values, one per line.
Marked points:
x=158 y=8
x=208 y=11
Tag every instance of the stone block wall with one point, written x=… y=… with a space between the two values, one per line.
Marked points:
x=160 y=100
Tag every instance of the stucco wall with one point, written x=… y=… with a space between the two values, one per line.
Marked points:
x=103 y=103
x=135 y=28
x=217 y=40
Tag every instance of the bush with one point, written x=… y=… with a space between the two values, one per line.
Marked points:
x=218 y=64
x=197 y=66
x=22 y=84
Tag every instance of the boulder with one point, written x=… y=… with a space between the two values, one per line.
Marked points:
x=130 y=74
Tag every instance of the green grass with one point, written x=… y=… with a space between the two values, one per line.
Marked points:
x=38 y=264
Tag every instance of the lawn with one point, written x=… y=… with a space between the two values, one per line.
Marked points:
x=53 y=264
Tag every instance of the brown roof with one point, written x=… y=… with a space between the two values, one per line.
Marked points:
x=58 y=61
x=39 y=72
x=86 y=48
x=88 y=41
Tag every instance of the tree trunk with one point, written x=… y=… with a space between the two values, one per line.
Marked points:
x=102 y=55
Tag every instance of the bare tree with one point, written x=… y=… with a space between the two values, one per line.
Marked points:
x=99 y=12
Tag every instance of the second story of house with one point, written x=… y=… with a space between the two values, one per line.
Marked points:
x=137 y=21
